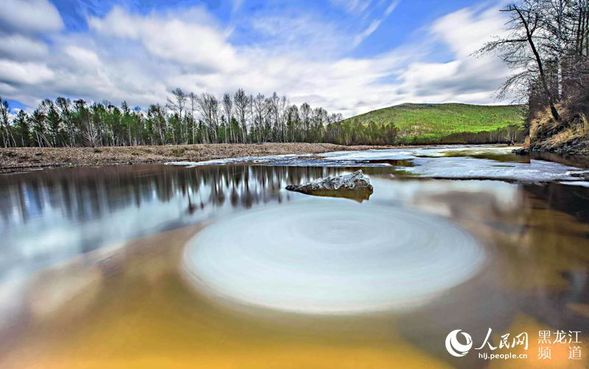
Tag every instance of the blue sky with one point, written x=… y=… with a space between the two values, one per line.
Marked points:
x=348 y=56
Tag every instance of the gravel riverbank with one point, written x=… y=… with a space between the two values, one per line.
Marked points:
x=31 y=158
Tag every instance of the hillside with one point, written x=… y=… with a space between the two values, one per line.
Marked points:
x=448 y=123
x=569 y=136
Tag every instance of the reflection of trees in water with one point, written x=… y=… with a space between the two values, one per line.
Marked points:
x=540 y=249
x=557 y=242
x=537 y=271
x=573 y=200
x=83 y=194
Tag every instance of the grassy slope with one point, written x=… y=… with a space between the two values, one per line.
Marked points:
x=426 y=122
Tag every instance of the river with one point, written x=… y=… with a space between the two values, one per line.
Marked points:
x=216 y=265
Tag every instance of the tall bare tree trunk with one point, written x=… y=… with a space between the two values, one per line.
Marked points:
x=529 y=36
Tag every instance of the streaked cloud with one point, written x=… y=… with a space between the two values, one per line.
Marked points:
x=170 y=38
x=24 y=73
x=375 y=24
x=22 y=47
x=140 y=56
x=353 y=6
x=30 y=16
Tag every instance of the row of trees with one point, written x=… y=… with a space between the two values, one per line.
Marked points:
x=548 y=48
x=186 y=118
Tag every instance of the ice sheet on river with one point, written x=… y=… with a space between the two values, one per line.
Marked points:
x=290 y=160
x=331 y=258
x=448 y=162
x=468 y=168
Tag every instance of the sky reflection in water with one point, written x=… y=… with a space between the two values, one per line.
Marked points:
x=64 y=259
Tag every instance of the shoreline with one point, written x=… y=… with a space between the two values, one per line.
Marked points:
x=30 y=159
x=23 y=159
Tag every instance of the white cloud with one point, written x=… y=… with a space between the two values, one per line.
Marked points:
x=465 y=78
x=21 y=47
x=30 y=16
x=420 y=75
x=185 y=42
x=352 y=6
x=367 y=32
x=24 y=72
x=299 y=34
x=392 y=6
x=140 y=58
x=465 y=31
x=7 y=89
x=360 y=7
x=85 y=57
x=236 y=5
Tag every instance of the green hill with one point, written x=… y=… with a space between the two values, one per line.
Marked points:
x=447 y=123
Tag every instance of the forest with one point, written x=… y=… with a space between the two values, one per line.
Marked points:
x=185 y=118
x=546 y=44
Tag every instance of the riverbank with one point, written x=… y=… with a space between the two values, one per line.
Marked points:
x=31 y=158
x=569 y=137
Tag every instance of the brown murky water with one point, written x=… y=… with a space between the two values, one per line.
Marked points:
x=91 y=274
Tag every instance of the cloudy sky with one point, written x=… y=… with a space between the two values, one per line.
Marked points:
x=349 y=56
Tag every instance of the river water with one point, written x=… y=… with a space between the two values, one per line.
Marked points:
x=215 y=265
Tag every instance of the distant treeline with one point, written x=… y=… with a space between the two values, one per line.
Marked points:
x=186 y=118
x=511 y=134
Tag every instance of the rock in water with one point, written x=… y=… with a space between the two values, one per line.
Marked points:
x=355 y=186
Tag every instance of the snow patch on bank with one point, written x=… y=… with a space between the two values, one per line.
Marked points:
x=448 y=162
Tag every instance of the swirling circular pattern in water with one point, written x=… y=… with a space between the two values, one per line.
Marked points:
x=332 y=258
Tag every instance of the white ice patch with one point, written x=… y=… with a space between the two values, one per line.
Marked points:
x=413 y=152
x=332 y=258
x=450 y=162
x=239 y=160
x=391 y=154
x=465 y=168
x=578 y=183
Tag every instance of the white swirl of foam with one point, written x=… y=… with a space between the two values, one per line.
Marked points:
x=332 y=258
